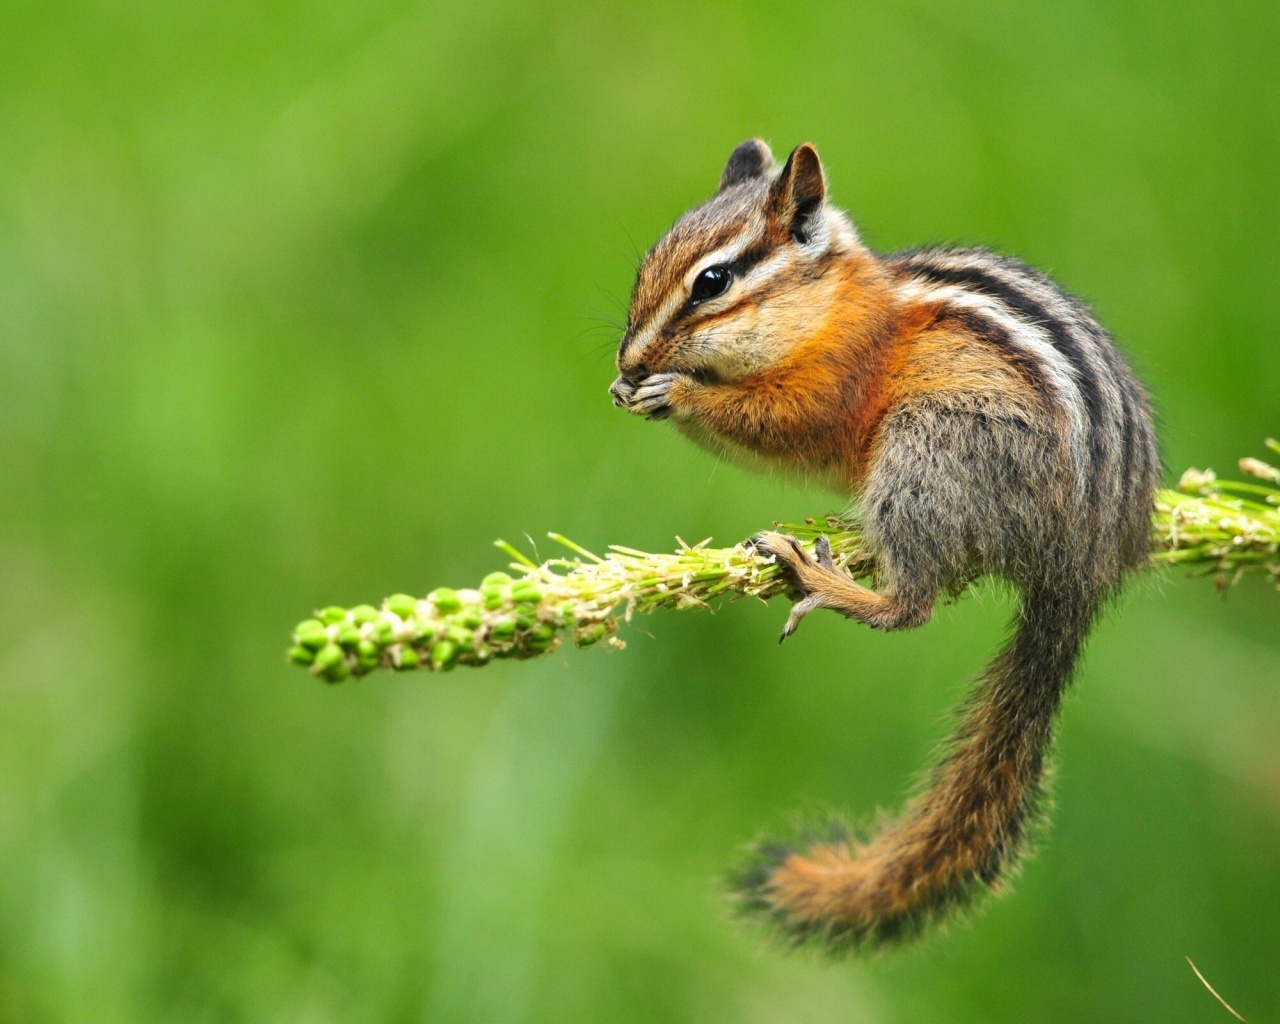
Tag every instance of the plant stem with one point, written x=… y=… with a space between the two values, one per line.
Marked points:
x=1222 y=528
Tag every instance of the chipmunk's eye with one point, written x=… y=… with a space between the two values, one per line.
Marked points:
x=711 y=282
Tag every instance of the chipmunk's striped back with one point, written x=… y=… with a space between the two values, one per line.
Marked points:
x=1070 y=360
x=985 y=423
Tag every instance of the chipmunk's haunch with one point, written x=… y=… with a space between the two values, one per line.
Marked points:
x=986 y=425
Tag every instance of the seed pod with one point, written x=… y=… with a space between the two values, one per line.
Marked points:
x=337 y=672
x=327 y=657
x=331 y=615
x=348 y=634
x=311 y=633
x=590 y=635
x=402 y=604
x=363 y=613
x=525 y=592
x=462 y=638
x=408 y=658
x=445 y=599
x=496 y=579
x=303 y=656
x=443 y=653
x=367 y=654
x=471 y=618
x=502 y=629
x=542 y=631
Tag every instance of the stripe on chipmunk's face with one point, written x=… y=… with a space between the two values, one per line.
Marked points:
x=701 y=291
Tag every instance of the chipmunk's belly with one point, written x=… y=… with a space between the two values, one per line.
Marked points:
x=828 y=479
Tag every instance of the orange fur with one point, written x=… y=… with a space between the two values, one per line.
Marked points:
x=984 y=423
x=817 y=407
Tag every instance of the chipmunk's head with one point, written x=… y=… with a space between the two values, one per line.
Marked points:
x=730 y=288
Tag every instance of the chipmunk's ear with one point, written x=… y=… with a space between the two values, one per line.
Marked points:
x=752 y=159
x=797 y=193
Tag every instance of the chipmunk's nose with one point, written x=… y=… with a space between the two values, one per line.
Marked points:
x=622 y=389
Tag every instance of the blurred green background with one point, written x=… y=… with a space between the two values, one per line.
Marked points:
x=306 y=302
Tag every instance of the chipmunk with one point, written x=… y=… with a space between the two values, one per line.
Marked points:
x=983 y=423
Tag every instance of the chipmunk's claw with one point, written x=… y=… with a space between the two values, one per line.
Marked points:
x=799 y=610
x=794 y=561
x=621 y=391
x=822 y=549
x=648 y=396
x=652 y=398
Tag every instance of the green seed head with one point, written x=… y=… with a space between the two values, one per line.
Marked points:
x=328 y=656
x=542 y=631
x=445 y=599
x=367 y=654
x=462 y=638
x=311 y=633
x=590 y=635
x=348 y=634
x=363 y=613
x=443 y=653
x=402 y=604
x=526 y=593
x=337 y=672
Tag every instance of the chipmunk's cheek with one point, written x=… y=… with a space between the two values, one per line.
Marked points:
x=732 y=353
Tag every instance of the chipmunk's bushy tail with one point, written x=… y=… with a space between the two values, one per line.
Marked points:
x=964 y=834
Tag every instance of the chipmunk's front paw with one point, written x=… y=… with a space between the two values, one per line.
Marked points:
x=648 y=396
x=804 y=572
